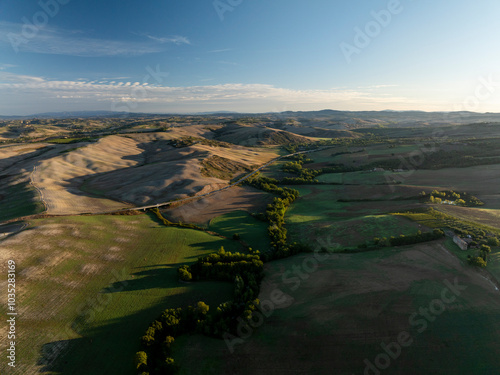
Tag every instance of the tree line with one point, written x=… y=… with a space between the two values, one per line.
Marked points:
x=275 y=216
x=411 y=239
x=245 y=271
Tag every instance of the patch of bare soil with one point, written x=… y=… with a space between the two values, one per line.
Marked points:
x=175 y=173
x=223 y=168
x=220 y=203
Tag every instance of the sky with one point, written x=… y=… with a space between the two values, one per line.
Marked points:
x=196 y=56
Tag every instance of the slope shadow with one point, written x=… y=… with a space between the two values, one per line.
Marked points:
x=81 y=185
x=110 y=348
x=10 y=162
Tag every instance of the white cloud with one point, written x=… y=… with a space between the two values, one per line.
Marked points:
x=176 y=39
x=220 y=50
x=6 y=66
x=55 y=41
x=27 y=92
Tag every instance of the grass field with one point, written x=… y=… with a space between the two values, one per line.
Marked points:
x=89 y=287
x=331 y=178
x=252 y=231
x=368 y=154
x=338 y=316
x=356 y=178
x=481 y=181
x=319 y=214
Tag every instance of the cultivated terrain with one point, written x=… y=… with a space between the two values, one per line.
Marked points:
x=343 y=234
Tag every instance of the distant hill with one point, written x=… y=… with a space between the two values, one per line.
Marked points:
x=363 y=119
x=325 y=119
x=249 y=135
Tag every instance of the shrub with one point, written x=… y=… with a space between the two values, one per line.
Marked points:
x=485 y=249
x=141 y=361
x=477 y=261
x=493 y=241
x=184 y=274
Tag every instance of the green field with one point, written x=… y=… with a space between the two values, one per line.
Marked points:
x=357 y=178
x=93 y=285
x=319 y=214
x=389 y=150
x=331 y=178
x=343 y=310
x=252 y=231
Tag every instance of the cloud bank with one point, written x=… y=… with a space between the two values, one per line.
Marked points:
x=21 y=91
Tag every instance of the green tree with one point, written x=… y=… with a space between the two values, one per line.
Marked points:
x=493 y=241
x=141 y=361
x=202 y=308
x=485 y=249
x=477 y=261
x=184 y=273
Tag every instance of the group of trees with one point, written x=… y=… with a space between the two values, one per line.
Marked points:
x=156 y=354
x=409 y=239
x=308 y=176
x=304 y=175
x=275 y=216
x=463 y=199
x=480 y=260
x=223 y=266
x=275 y=212
x=245 y=271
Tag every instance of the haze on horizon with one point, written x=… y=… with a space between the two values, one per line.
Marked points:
x=251 y=56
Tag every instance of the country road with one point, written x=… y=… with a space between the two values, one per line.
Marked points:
x=162 y=204
x=221 y=189
x=40 y=193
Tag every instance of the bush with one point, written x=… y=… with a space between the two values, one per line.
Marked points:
x=167 y=346
x=141 y=361
x=184 y=273
x=485 y=249
x=493 y=241
x=477 y=261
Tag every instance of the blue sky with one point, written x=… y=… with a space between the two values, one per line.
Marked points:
x=248 y=55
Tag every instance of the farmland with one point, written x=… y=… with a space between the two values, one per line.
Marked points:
x=90 y=284
x=252 y=231
x=361 y=301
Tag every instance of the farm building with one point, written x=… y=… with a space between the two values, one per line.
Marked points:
x=461 y=243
